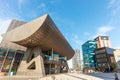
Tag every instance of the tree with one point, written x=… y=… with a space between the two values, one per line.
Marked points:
x=114 y=65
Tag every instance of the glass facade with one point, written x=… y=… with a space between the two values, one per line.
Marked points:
x=3 y=52
x=10 y=60
x=89 y=54
x=53 y=62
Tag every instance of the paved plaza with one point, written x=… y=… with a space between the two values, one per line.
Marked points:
x=67 y=76
x=105 y=76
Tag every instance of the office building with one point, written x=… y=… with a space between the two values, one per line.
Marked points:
x=104 y=58
x=76 y=60
x=89 y=54
x=41 y=47
x=103 y=41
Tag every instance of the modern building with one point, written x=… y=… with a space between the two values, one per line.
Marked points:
x=76 y=60
x=103 y=41
x=89 y=54
x=105 y=58
x=117 y=57
x=37 y=48
x=10 y=45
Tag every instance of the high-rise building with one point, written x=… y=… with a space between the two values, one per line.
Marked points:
x=76 y=60
x=104 y=52
x=89 y=54
x=103 y=41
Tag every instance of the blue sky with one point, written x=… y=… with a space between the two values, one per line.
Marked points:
x=78 y=20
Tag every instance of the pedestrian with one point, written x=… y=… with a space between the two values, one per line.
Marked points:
x=116 y=76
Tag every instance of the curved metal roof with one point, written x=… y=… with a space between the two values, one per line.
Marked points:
x=41 y=32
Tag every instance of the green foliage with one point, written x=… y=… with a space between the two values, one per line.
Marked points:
x=114 y=65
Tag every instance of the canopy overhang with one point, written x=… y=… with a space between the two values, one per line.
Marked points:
x=41 y=32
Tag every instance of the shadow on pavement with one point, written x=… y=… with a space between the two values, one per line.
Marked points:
x=105 y=76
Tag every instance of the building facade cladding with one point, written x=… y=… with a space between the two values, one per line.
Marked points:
x=43 y=33
x=14 y=24
x=103 y=41
x=76 y=60
x=117 y=57
x=47 y=49
x=105 y=58
x=89 y=54
x=7 y=44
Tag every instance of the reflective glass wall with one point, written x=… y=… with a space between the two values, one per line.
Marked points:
x=10 y=60
x=54 y=63
x=89 y=54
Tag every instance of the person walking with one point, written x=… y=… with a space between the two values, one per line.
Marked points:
x=116 y=76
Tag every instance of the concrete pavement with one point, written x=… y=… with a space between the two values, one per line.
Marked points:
x=72 y=76
x=67 y=76
x=105 y=76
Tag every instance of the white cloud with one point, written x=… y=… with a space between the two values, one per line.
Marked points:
x=111 y=3
x=43 y=8
x=39 y=10
x=103 y=30
x=117 y=47
x=42 y=5
x=54 y=2
x=4 y=25
x=75 y=41
x=20 y=2
x=7 y=12
x=114 y=6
